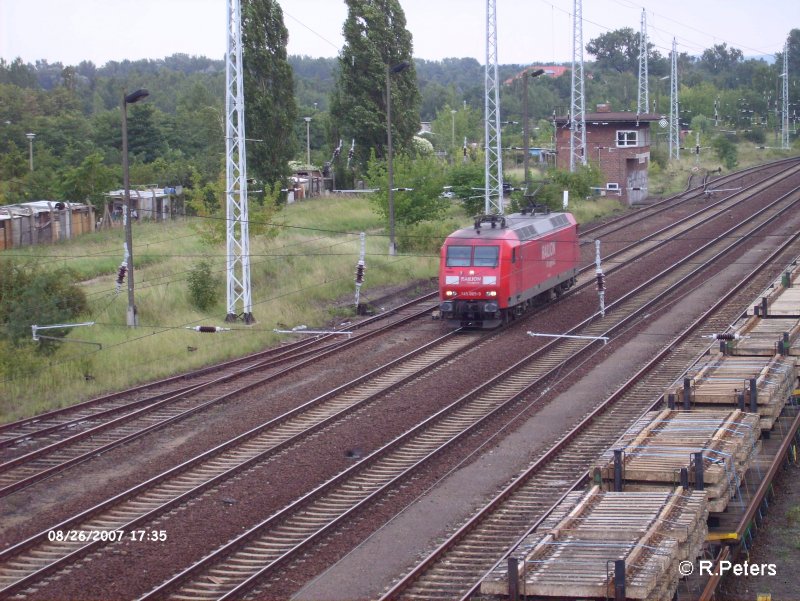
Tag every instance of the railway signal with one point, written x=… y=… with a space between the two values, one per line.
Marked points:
x=601 y=279
x=360 y=268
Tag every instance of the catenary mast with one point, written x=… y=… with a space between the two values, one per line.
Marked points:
x=643 y=103
x=577 y=137
x=493 y=194
x=785 y=99
x=674 y=115
x=237 y=230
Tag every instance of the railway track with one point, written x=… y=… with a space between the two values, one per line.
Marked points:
x=239 y=566
x=71 y=437
x=625 y=220
x=454 y=570
x=40 y=570
x=682 y=227
x=37 y=448
x=32 y=429
x=33 y=558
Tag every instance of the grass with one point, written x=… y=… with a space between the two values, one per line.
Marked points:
x=295 y=277
x=674 y=178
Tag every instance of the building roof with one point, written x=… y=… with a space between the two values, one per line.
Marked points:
x=149 y=193
x=615 y=117
x=36 y=207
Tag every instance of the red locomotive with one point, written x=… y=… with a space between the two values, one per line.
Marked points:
x=495 y=270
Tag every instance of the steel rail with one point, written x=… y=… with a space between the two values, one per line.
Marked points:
x=14 y=432
x=669 y=203
x=73 y=449
x=147 y=502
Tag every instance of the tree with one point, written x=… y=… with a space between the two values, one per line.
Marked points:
x=89 y=181
x=376 y=39
x=424 y=177
x=616 y=50
x=270 y=109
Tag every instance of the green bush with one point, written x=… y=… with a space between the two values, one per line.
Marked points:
x=426 y=237
x=30 y=295
x=202 y=286
x=726 y=151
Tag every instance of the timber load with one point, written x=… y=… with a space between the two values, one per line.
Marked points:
x=572 y=553
x=653 y=453
x=755 y=384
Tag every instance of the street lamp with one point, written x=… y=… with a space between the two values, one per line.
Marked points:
x=132 y=318
x=30 y=137
x=525 y=158
x=389 y=70
x=308 y=140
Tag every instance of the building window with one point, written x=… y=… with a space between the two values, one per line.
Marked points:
x=627 y=137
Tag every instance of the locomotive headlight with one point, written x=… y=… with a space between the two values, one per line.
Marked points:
x=491 y=293
x=449 y=293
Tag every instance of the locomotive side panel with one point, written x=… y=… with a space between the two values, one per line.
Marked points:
x=546 y=263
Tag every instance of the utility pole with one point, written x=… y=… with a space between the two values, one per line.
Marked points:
x=785 y=115
x=238 y=232
x=30 y=137
x=577 y=126
x=643 y=101
x=525 y=130
x=399 y=67
x=493 y=168
x=132 y=317
x=674 y=115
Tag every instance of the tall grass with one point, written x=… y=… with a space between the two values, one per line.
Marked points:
x=295 y=277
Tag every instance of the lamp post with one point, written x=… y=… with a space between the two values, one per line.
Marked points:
x=308 y=156
x=30 y=137
x=525 y=158
x=132 y=318
x=389 y=70
x=308 y=140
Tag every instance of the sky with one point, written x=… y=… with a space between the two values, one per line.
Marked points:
x=528 y=31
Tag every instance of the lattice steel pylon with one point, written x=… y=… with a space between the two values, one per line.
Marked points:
x=785 y=99
x=493 y=190
x=577 y=125
x=238 y=234
x=643 y=102
x=674 y=115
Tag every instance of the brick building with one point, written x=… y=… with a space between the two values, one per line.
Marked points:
x=619 y=144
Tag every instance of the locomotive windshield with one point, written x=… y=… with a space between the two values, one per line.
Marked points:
x=461 y=256
x=486 y=256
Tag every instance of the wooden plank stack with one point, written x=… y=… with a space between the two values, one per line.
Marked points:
x=660 y=444
x=719 y=380
x=571 y=553
x=759 y=336
x=783 y=297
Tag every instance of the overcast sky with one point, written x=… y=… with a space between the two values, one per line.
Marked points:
x=529 y=31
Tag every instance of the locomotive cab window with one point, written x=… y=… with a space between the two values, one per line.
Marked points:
x=459 y=256
x=486 y=256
